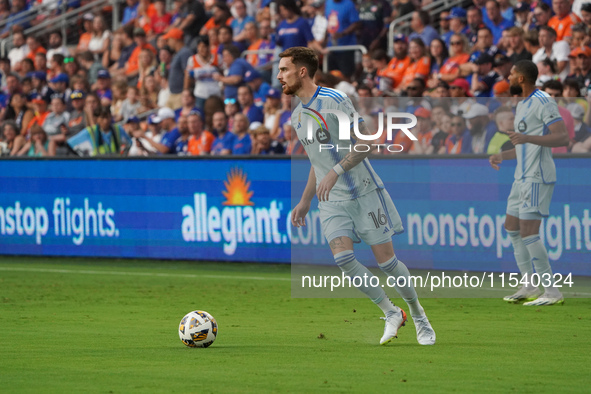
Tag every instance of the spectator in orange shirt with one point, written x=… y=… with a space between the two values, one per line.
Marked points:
x=453 y=144
x=200 y=140
x=34 y=47
x=564 y=19
x=41 y=112
x=132 y=66
x=458 y=51
x=87 y=35
x=420 y=64
x=221 y=17
x=424 y=133
x=397 y=66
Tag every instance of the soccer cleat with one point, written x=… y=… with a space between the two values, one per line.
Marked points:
x=546 y=299
x=523 y=294
x=393 y=323
x=425 y=333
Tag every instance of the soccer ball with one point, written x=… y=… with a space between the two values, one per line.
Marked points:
x=198 y=329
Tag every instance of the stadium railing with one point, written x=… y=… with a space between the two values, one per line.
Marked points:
x=64 y=21
x=341 y=48
x=402 y=24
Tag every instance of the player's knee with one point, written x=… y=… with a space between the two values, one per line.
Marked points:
x=345 y=259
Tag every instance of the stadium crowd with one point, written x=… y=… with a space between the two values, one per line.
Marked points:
x=175 y=81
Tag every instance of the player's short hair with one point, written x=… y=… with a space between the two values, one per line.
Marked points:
x=302 y=57
x=228 y=28
x=528 y=69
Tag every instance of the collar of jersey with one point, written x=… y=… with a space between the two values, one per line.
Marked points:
x=312 y=99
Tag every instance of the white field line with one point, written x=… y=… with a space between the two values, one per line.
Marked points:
x=195 y=276
x=127 y=273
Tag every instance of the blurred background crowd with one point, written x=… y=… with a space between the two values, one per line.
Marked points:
x=186 y=77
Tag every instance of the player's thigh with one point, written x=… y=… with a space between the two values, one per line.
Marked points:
x=535 y=199
x=376 y=218
x=336 y=221
x=513 y=203
x=511 y=223
x=529 y=227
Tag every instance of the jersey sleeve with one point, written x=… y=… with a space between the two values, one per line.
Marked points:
x=550 y=112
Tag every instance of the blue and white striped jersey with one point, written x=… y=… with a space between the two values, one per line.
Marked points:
x=533 y=116
x=354 y=183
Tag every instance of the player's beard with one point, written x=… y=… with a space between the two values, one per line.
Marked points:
x=291 y=90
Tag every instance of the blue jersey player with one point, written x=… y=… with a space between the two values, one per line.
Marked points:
x=538 y=128
x=352 y=200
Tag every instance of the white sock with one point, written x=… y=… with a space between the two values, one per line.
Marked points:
x=351 y=267
x=521 y=255
x=397 y=268
x=539 y=258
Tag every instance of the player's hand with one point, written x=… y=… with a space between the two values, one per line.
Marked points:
x=517 y=138
x=325 y=185
x=298 y=215
x=495 y=160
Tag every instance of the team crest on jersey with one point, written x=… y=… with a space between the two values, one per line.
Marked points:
x=522 y=126
x=322 y=135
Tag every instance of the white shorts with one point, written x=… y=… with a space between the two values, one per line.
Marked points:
x=529 y=200
x=372 y=218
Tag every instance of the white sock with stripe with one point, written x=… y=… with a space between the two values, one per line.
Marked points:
x=397 y=268
x=351 y=267
x=521 y=255
x=540 y=260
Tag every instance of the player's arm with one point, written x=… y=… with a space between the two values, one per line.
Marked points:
x=353 y=158
x=496 y=159
x=349 y=161
x=558 y=136
x=298 y=215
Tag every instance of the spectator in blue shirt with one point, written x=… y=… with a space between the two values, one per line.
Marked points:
x=238 y=23
x=343 y=23
x=130 y=12
x=496 y=22
x=165 y=117
x=237 y=69
x=17 y=17
x=226 y=37
x=242 y=144
x=246 y=101
x=293 y=31
x=484 y=76
x=176 y=76
x=421 y=27
x=224 y=141
x=260 y=88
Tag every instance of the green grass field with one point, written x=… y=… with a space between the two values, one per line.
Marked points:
x=106 y=326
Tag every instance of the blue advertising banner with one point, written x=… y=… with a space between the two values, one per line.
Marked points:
x=238 y=210
x=170 y=209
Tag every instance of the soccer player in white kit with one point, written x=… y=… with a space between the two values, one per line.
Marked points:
x=353 y=203
x=538 y=128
